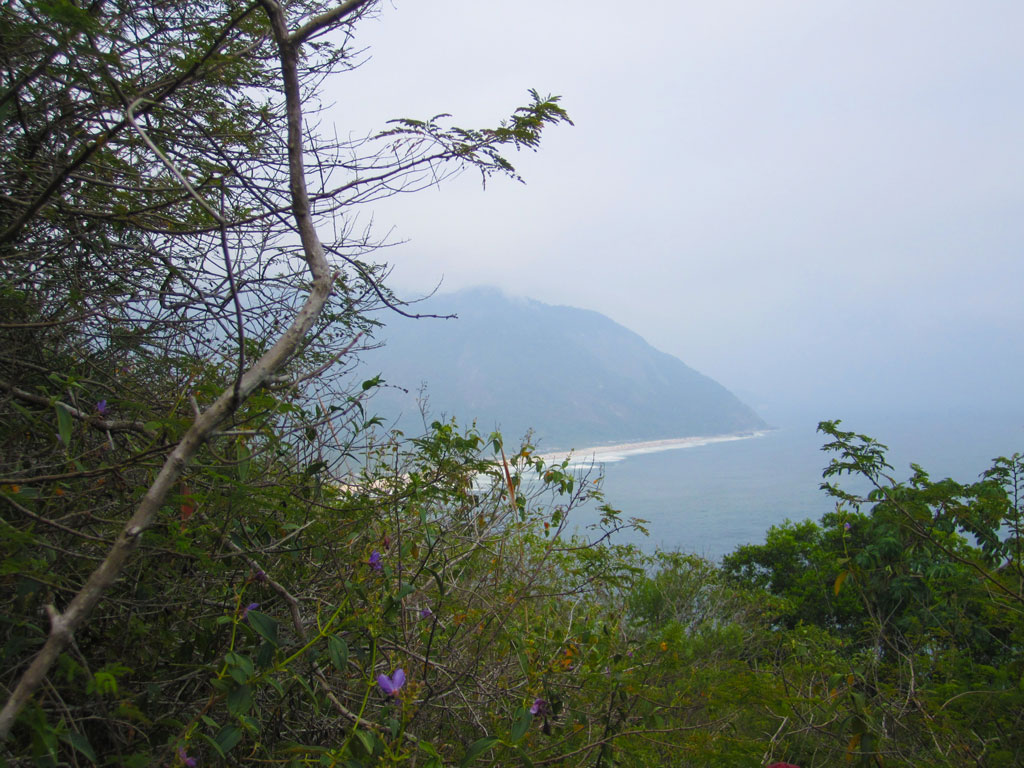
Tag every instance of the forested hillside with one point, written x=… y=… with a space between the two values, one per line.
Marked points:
x=213 y=555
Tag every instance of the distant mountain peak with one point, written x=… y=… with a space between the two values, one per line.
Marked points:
x=574 y=376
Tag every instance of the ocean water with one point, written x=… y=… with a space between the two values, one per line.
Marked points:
x=711 y=498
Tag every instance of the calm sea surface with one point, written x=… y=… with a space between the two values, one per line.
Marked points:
x=709 y=499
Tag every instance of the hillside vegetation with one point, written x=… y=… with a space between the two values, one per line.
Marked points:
x=213 y=553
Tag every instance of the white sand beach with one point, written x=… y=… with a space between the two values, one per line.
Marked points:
x=603 y=454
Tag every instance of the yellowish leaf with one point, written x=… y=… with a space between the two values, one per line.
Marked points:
x=851 y=747
x=839 y=581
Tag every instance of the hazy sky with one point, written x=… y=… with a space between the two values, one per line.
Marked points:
x=813 y=202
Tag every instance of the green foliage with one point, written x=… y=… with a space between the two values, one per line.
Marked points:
x=799 y=565
x=304 y=556
x=266 y=621
x=254 y=628
x=149 y=265
x=481 y=147
x=924 y=591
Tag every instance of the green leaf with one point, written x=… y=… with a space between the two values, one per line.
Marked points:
x=213 y=743
x=477 y=748
x=524 y=662
x=243 y=454
x=437 y=579
x=404 y=590
x=240 y=700
x=228 y=738
x=338 y=649
x=522 y=724
x=81 y=743
x=264 y=625
x=68 y=15
x=243 y=663
x=369 y=742
x=430 y=749
x=313 y=699
x=265 y=655
x=63 y=424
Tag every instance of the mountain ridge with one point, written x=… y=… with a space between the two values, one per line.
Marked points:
x=573 y=376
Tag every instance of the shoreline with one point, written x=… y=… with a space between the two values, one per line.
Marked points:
x=602 y=454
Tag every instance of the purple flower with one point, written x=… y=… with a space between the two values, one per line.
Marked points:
x=540 y=707
x=260 y=576
x=846 y=526
x=249 y=607
x=426 y=613
x=185 y=759
x=101 y=406
x=392 y=685
x=375 y=563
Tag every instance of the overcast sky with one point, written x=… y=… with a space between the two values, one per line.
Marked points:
x=813 y=202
